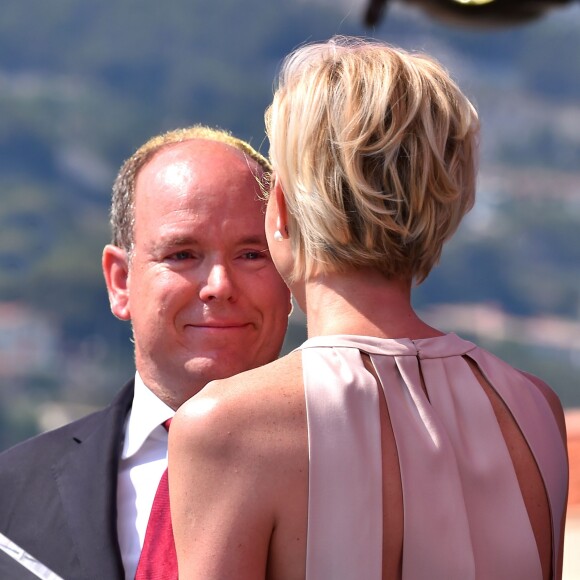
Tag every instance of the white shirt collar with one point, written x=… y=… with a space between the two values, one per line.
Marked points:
x=145 y=419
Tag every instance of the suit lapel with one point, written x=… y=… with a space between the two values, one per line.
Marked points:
x=87 y=482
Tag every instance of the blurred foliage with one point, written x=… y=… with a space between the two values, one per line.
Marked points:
x=82 y=85
x=525 y=258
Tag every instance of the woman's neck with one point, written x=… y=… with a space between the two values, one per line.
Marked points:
x=364 y=303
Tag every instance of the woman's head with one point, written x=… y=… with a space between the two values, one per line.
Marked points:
x=376 y=149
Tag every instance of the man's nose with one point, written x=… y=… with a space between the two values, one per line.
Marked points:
x=218 y=284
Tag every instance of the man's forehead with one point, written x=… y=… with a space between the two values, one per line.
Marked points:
x=201 y=148
x=199 y=163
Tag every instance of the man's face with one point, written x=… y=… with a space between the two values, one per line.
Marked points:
x=203 y=295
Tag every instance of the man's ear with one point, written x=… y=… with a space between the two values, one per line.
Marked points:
x=116 y=272
x=282 y=217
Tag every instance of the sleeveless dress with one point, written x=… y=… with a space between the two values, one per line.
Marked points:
x=464 y=515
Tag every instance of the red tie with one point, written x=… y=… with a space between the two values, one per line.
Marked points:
x=158 y=560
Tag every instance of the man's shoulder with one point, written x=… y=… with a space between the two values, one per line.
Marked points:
x=49 y=439
x=50 y=444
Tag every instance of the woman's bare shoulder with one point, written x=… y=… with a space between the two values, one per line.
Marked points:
x=238 y=461
x=256 y=411
x=262 y=388
x=553 y=401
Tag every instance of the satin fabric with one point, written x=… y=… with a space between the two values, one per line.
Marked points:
x=464 y=515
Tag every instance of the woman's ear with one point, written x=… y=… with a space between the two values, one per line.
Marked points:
x=116 y=271
x=282 y=217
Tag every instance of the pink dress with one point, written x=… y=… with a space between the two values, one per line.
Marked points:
x=464 y=515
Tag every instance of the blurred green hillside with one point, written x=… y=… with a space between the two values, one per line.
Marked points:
x=83 y=84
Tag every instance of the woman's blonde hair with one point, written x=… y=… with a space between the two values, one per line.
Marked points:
x=375 y=148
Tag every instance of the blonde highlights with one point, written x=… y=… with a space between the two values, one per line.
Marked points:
x=376 y=150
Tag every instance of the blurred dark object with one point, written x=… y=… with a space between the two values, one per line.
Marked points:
x=473 y=13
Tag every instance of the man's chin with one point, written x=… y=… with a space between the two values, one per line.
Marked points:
x=202 y=370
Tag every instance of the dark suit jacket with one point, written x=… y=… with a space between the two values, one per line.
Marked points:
x=58 y=494
x=10 y=569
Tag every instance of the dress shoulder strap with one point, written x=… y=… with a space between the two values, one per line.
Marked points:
x=345 y=479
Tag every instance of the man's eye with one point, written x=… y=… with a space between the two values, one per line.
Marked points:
x=181 y=255
x=256 y=254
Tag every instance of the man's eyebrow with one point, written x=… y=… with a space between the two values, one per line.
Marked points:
x=172 y=241
x=253 y=240
x=187 y=240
